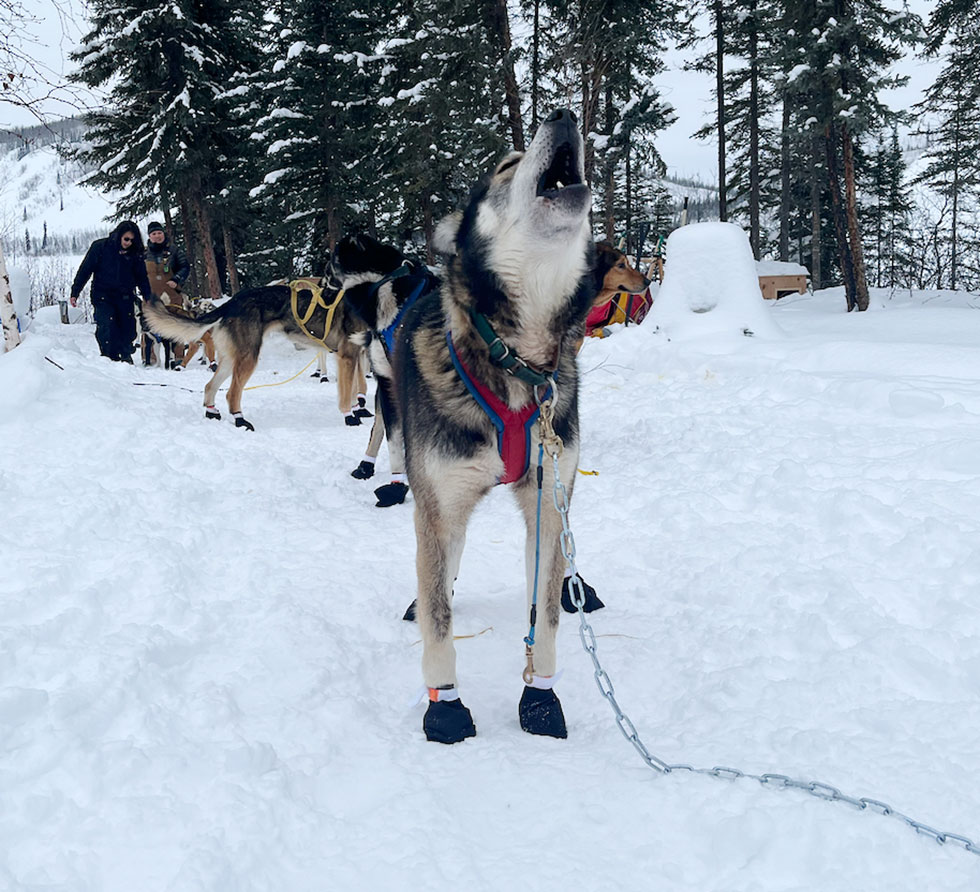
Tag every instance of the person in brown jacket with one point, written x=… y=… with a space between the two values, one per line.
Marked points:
x=167 y=269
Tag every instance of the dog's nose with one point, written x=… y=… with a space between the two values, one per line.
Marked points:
x=562 y=114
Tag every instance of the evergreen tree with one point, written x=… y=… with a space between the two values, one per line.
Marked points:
x=156 y=140
x=844 y=50
x=444 y=119
x=887 y=213
x=313 y=118
x=751 y=103
x=953 y=104
x=606 y=54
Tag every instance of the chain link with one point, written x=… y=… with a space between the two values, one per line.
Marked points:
x=817 y=789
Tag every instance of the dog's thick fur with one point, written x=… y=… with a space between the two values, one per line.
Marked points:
x=522 y=255
x=239 y=326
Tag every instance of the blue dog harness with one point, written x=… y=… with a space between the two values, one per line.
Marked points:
x=389 y=333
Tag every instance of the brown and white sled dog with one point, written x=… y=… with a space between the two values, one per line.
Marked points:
x=239 y=326
x=503 y=327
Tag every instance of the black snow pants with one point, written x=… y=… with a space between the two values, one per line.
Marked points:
x=115 y=325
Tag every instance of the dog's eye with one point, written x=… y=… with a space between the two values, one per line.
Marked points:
x=507 y=164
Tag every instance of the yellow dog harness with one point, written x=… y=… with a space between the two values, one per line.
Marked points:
x=316 y=302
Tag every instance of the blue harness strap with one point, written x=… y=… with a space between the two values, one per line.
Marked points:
x=391 y=331
x=513 y=426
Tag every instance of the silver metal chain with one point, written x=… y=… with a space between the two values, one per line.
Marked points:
x=628 y=729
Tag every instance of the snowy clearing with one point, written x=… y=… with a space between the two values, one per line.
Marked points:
x=205 y=680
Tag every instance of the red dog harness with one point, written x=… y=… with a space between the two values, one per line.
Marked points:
x=513 y=426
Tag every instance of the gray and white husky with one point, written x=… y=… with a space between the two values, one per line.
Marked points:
x=472 y=362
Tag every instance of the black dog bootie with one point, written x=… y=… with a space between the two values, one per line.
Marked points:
x=540 y=713
x=362 y=411
x=448 y=721
x=391 y=494
x=592 y=601
x=364 y=470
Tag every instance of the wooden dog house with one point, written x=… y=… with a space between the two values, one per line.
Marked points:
x=777 y=279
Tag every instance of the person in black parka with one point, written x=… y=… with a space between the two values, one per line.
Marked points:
x=115 y=265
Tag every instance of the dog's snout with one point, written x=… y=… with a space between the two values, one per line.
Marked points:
x=562 y=114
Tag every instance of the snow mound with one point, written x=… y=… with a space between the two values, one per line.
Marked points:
x=711 y=286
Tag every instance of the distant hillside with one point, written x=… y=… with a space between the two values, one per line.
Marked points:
x=39 y=187
x=43 y=206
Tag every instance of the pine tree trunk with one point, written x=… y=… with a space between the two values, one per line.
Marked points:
x=8 y=317
x=784 y=183
x=853 y=232
x=816 y=228
x=587 y=107
x=629 y=197
x=535 y=64
x=754 y=189
x=956 y=194
x=191 y=241
x=230 y=261
x=720 y=89
x=428 y=227
x=202 y=219
x=610 y=186
x=333 y=225
x=498 y=23
x=840 y=222
x=168 y=222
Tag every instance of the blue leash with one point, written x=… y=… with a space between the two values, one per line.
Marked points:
x=529 y=640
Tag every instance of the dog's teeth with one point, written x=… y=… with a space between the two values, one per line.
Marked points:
x=559 y=185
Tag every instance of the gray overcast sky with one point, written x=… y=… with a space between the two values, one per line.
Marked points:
x=61 y=24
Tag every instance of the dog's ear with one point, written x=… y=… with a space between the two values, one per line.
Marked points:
x=606 y=257
x=445 y=236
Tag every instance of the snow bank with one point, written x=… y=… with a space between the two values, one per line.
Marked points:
x=20 y=288
x=711 y=286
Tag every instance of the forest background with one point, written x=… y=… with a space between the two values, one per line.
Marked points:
x=260 y=135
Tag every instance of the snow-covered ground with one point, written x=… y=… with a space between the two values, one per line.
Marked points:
x=205 y=681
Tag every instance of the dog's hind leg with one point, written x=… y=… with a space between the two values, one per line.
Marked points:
x=243 y=369
x=540 y=710
x=208 y=342
x=359 y=392
x=221 y=374
x=345 y=389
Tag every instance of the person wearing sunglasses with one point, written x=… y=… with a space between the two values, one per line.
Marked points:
x=115 y=266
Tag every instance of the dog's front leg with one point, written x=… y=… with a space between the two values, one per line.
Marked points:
x=440 y=534
x=540 y=711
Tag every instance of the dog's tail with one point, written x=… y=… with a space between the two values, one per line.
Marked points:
x=157 y=319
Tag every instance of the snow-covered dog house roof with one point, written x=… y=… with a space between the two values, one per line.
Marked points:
x=777 y=278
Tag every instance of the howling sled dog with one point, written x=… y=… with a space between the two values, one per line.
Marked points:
x=472 y=360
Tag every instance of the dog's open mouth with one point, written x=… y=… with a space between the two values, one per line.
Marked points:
x=561 y=173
